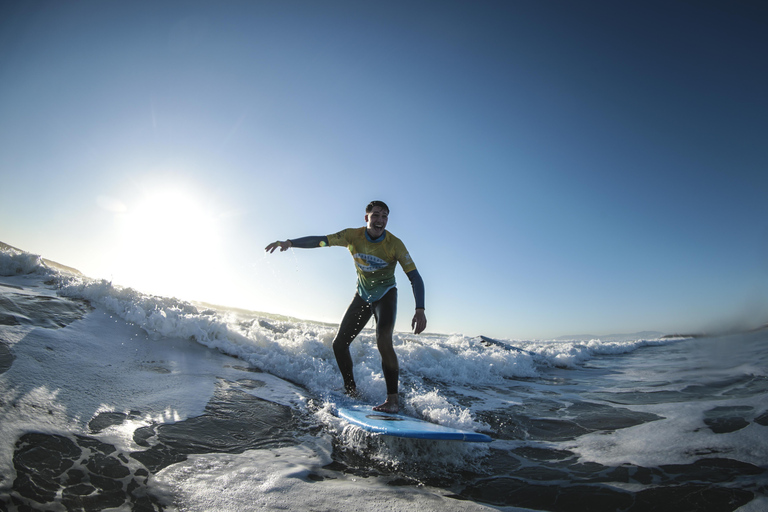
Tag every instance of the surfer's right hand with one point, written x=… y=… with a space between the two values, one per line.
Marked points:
x=419 y=322
x=284 y=246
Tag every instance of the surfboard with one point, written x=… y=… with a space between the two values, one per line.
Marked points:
x=399 y=425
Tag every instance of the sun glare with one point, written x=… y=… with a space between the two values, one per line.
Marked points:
x=169 y=239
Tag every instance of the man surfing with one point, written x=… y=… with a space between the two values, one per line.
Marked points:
x=376 y=252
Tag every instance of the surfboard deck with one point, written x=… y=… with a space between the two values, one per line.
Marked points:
x=399 y=425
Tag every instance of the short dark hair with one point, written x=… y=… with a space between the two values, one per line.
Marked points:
x=372 y=204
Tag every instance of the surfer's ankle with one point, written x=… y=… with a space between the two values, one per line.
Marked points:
x=391 y=405
x=352 y=392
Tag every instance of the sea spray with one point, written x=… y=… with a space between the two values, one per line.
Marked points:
x=14 y=262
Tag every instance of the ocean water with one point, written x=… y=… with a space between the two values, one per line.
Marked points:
x=111 y=399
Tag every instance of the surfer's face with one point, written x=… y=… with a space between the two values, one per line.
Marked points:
x=377 y=221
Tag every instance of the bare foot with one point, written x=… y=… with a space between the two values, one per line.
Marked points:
x=390 y=405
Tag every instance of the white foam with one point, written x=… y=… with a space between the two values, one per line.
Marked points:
x=101 y=364
x=571 y=354
x=291 y=478
x=678 y=438
x=13 y=262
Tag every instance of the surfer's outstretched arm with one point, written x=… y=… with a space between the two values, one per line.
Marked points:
x=307 y=242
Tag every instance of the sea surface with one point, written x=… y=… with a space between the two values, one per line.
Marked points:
x=112 y=399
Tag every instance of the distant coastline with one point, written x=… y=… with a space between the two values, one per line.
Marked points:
x=716 y=334
x=648 y=335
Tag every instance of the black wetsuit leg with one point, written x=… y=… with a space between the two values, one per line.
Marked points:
x=357 y=315
x=385 y=312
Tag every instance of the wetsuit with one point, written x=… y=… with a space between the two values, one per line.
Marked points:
x=375 y=262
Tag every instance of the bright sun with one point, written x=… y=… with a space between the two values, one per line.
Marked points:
x=169 y=241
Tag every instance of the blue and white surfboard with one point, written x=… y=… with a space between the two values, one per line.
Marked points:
x=404 y=426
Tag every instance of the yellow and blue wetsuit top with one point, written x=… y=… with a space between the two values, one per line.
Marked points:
x=375 y=260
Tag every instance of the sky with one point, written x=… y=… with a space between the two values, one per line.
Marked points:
x=553 y=167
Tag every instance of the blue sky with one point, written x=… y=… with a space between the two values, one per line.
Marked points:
x=553 y=167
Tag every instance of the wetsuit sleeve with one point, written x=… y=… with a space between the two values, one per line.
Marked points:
x=340 y=239
x=309 y=242
x=417 y=283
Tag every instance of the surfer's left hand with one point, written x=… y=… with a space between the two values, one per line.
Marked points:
x=419 y=322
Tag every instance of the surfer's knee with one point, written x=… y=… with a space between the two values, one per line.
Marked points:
x=343 y=340
x=385 y=345
x=340 y=349
x=388 y=357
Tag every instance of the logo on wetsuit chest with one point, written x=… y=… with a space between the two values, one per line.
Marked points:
x=368 y=263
